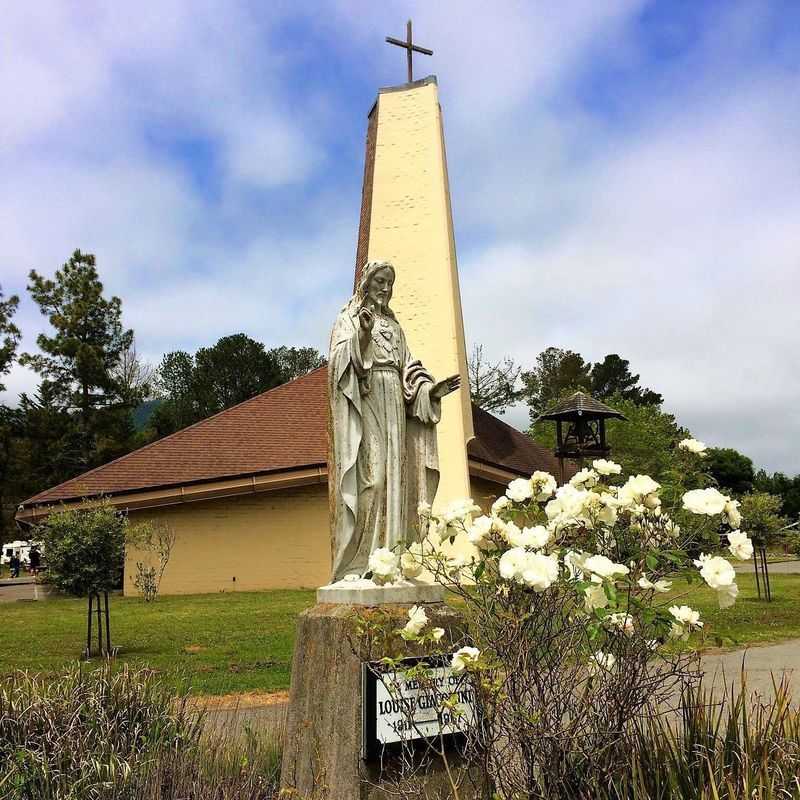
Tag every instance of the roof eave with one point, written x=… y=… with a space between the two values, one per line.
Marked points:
x=184 y=493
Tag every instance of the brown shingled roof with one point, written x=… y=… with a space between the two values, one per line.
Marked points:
x=499 y=444
x=282 y=429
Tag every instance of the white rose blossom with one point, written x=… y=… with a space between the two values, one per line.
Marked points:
x=678 y=632
x=604 y=467
x=693 y=446
x=732 y=514
x=604 y=567
x=575 y=562
x=544 y=485
x=412 y=560
x=660 y=586
x=621 y=622
x=726 y=596
x=534 y=538
x=479 y=532
x=594 y=597
x=384 y=565
x=705 y=501
x=458 y=511
x=463 y=658
x=740 y=545
x=586 y=478
x=686 y=616
x=539 y=572
x=417 y=620
x=519 y=490
x=639 y=493
x=721 y=577
x=534 y=570
x=569 y=508
x=499 y=504
x=437 y=633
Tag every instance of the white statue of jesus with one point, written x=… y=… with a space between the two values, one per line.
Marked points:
x=384 y=409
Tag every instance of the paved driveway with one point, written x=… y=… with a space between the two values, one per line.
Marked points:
x=12 y=589
x=761 y=665
x=790 y=567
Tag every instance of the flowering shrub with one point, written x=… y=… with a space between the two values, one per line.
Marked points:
x=568 y=637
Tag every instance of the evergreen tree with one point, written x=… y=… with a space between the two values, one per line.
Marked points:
x=292 y=362
x=9 y=340
x=788 y=489
x=731 y=469
x=80 y=358
x=235 y=369
x=557 y=373
x=9 y=334
x=613 y=376
x=231 y=371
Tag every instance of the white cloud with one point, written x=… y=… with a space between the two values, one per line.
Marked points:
x=675 y=249
x=657 y=220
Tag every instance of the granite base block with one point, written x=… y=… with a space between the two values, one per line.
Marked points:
x=322 y=756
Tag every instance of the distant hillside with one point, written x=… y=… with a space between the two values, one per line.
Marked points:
x=142 y=414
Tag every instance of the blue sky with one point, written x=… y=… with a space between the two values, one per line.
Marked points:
x=625 y=177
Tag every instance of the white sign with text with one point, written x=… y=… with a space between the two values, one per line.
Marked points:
x=407 y=708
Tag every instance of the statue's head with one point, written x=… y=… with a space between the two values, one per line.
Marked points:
x=376 y=284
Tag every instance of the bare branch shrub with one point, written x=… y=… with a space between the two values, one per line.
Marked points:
x=156 y=539
x=569 y=645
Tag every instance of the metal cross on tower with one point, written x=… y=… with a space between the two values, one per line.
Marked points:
x=410 y=48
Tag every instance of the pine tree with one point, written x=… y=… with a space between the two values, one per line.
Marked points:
x=9 y=334
x=79 y=360
x=9 y=340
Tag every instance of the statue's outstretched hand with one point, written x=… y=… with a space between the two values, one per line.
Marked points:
x=445 y=386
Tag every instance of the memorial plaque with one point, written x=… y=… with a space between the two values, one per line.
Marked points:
x=400 y=710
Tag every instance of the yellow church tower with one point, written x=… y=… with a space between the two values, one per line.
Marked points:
x=406 y=219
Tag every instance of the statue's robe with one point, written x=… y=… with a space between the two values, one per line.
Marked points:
x=383 y=460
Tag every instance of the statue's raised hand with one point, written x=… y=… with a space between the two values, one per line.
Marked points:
x=445 y=386
x=366 y=319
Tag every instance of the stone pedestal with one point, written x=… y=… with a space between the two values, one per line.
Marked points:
x=322 y=753
x=365 y=593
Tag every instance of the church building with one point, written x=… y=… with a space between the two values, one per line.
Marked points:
x=245 y=491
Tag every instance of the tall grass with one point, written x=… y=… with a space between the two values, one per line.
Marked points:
x=120 y=734
x=719 y=748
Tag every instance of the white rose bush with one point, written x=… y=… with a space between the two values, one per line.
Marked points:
x=574 y=608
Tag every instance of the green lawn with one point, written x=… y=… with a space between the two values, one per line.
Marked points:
x=242 y=642
x=750 y=621
x=217 y=643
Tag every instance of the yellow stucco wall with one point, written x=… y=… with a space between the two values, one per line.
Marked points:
x=271 y=540
x=411 y=226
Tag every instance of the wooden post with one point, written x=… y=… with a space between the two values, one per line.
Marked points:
x=99 y=625
x=757 y=570
x=89 y=630
x=768 y=588
x=108 y=626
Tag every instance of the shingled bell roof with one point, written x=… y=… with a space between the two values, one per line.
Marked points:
x=580 y=405
x=277 y=439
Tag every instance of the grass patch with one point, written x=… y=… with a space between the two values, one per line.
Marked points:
x=242 y=642
x=751 y=621
x=208 y=644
